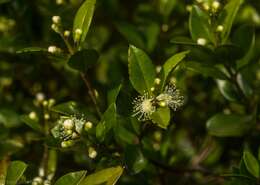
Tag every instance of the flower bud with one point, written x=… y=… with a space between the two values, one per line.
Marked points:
x=52 y=49
x=68 y=132
x=215 y=5
x=56 y=19
x=88 y=125
x=68 y=124
x=33 y=115
x=46 y=116
x=202 y=41
x=158 y=69
x=40 y=97
x=220 y=28
x=92 y=153
x=206 y=6
x=59 y=2
x=51 y=102
x=152 y=89
x=78 y=33
x=66 y=33
x=45 y=103
x=37 y=181
x=157 y=81
x=74 y=135
x=162 y=104
x=55 y=28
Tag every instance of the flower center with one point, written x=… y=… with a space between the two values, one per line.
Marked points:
x=147 y=105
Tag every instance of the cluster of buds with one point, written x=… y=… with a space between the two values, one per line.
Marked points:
x=69 y=129
x=146 y=105
x=213 y=8
x=56 y=24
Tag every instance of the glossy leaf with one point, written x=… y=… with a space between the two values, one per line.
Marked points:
x=251 y=164
x=112 y=94
x=228 y=90
x=34 y=124
x=171 y=64
x=14 y=172
x=135 y=159
x=73 y=178
x=107 y=122
x=244 y=37
x=141 y=70
x=227 y=17
x=108 y=176
x=9 y=118
x=199 y=25
x=83 y=19
x=161 y=117
x=205 y=70
x=229 y=125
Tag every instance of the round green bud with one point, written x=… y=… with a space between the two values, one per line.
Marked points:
x=88 y=125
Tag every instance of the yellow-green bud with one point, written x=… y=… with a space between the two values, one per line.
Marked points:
x=68 y=132
x=157 y=81
x=74 y=135
x=56 y=19
x=46 y=116
x=33 y=115
x=202 y=41
x=215 y=5
x=220 y=28
x=92 y=153
x=88 y=125
x=162 y=104
x=66 y=33
x=78 y=33
x=45 y=103
x=152 y=89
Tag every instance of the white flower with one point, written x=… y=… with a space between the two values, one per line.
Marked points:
x=68 y=124
x=52 y=49
x=143 y=107
x=171 y=97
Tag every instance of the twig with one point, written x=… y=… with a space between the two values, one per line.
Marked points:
x=91 y=93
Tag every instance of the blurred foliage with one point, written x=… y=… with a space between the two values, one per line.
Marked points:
x=129 y=92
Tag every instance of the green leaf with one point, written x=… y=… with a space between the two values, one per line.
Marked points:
x=73 y=178
x=141 y=70
x=83 y=19
x=151 y=33
x=206 y=70
x=135 y=159
x=161 y=117
x=31 y=50
x=227 y=17
x=199 y=25
x=124 y=135
x=108 y=176
x=230 y=125
x=112 y=94
x=244 y=37
x=228 y=90
x=171 y=64
x=14 y=172
x=251 y=163
x=73 y=108
x=9 y=118
x=228 y=53
x=132 y=35
x=107 y=122
x=166 y=7
x=34 y=124
x=83 y=60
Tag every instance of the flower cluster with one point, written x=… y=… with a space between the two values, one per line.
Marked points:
x=69 y=129
x=146 y=105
